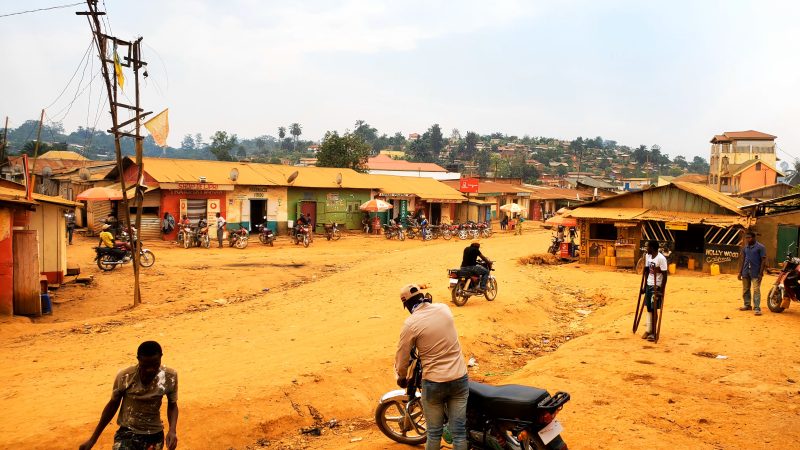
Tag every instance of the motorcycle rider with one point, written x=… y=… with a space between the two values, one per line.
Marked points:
x=470 y=262
x=107 y=241
x=445 y=385
x=301 y=221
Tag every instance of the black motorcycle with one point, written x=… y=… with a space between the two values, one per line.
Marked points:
x=265 y=235
x=109 y=258
x=510 y=417
x=332 y=231
x=464 y=284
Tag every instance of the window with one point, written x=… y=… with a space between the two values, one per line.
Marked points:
x=758 y=167
x=603 y=231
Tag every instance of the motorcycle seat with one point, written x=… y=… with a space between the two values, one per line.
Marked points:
x=508 y=401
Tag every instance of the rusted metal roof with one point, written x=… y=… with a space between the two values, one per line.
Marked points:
x=726 y=201
x=720 y=220
x=596 y=212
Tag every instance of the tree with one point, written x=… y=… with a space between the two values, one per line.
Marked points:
x=641 y=154
x=281 y=133
x=222 y=144
x=347 y=151
x=420 y=150
x=680 y=161
x=698 y=165
x=198 y=141
x=435 y=140
x=471 y=147
x=366 y=132
x=241 y=153
x=484 y=160
x=188 y=142
x=455 y=136
x=296 y=130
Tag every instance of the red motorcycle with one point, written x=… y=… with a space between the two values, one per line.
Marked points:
x=786 y=288
x=301 y=234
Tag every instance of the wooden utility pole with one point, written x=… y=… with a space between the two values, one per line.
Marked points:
x=132 y=54
x=32 y=177
x=5 y=140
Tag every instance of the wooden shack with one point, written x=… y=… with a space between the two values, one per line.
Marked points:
x=697 y=226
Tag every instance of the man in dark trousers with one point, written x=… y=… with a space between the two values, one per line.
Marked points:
x=752 y=263
x=69 y=217
x=137 y=394
x=656 y=270
x=445 y=385
x=470 y=261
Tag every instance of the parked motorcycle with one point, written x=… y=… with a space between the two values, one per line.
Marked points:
x=238 y=238
x=485 y=229
x=394 y=231
x=201 y=237
x=265 y=235
x=509 y=417
x=555 y=245
x=464 y=284
x=301 y=234
x=786 y=287
x=332 y=231
x=448 y=231
x=108 y=259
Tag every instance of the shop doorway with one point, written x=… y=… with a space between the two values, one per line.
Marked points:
x=258 y=214
x=436 y=213
x=309 y=208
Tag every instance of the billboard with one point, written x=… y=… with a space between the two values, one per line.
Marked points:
x=468 y=185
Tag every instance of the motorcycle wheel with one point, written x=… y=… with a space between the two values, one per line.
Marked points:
x=774 y=300
x=458 y=295
x=241 y=243
x=306 y=241
x=187 y=241
x=428 y=236
x=206 y=241
x=180 y=238
x=336 y=235
x=328 y=237
x=401 y=236
x=491 y=289
x=387 y=234
x=147 y=258
x=390 y=418
x=462 y=234
x=446 y=235
x=411 y=234
x=262 y=238
x=104 y=262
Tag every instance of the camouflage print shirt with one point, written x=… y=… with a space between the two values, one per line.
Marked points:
x=141 y=405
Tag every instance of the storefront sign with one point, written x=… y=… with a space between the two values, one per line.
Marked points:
x=468 y=185
x=333 y=197
x=196 y=187
x=677 y=226
x=721 y=254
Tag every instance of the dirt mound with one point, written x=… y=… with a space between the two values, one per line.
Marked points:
x=541 y=259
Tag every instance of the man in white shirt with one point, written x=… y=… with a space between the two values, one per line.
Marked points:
x=220 y=228
x=445 y=386
x=656 y=270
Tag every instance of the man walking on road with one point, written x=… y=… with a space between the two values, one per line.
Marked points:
x=69 y=217
x=445 y=387
x=220 y=228
x=752 y=262
x=137 y=394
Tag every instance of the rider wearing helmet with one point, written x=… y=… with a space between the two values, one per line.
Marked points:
x=431 y=329
x=470 y=262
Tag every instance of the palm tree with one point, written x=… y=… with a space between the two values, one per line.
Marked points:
x=281 y=132
x=296 y=130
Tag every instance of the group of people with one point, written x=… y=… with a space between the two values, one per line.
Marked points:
x=168 y=225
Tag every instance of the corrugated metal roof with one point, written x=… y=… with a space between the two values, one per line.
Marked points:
x=56 y=200
x=386 y=162
x=694 y=218
x=725 y=201
x=14 y=196
x=63 y=154
x=596 y=212
x=425 y=188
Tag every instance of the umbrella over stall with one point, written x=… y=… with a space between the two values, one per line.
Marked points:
x=375 y=205
x=513 y=208
x=561 y=220
x=96 y=194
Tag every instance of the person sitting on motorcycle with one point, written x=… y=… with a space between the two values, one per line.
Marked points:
x=445 y=385
x=470 y=262
x=560 y=234
x=107 y=241
x=301 y=221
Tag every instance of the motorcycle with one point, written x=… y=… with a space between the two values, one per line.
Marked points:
x=109 y=258
x=201 y=237
x=448 y=231
x=464 y=284
x=555 y=245
x=509 y=417
x=485 y=229
x=786 y=288
x=332 y=231
x=184 y=235
x=238 y=238
x=265 y=235
x=394 y=231
x=300 y=234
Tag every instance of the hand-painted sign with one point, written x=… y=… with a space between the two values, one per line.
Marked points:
x=677 y=226
x=468 y=185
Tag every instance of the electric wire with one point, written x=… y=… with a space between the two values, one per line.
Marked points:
x=73 y=74
x=41 y=9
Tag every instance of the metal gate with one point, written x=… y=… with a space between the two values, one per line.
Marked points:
x=196 y=209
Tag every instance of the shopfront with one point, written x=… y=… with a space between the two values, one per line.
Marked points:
x=195 y=200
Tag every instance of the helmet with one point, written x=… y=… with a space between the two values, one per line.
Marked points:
x=106 y=226
x=410 y=290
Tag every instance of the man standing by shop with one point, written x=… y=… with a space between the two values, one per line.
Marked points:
x=445 y=387
x=69 y=217
x=752 y=262
x=137 y=394
x=220 y=228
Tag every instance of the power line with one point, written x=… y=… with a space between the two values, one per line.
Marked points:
x=88 y=49
x=40 y=9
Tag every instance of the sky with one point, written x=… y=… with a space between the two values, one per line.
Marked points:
x=672 y=73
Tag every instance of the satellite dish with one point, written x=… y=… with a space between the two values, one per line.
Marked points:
x=84 y=174
x=234 y=174
x=47 y=171
x=339 y=178
x=17 y=169
x=292 y=176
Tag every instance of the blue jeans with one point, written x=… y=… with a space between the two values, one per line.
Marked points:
x=648 y=299
x=755 y=284
x=482 y=271
x=449 y=397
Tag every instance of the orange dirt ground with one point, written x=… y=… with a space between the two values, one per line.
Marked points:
x=255 y=366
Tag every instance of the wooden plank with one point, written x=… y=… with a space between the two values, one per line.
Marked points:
x=27 y=290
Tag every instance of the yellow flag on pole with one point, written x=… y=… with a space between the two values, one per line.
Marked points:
x=118 y=71
x=158 y=127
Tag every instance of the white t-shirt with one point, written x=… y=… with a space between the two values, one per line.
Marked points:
x=659 y=261
x=220 y=222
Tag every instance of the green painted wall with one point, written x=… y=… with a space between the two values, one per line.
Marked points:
x=333 y=205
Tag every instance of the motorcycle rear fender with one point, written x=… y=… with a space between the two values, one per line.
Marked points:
x=397 y=395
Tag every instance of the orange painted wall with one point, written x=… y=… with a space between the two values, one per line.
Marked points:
x=752 y=178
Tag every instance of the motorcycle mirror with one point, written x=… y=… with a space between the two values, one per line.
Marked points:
x=265 y=217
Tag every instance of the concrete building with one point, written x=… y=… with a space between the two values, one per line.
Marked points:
x=733 y=152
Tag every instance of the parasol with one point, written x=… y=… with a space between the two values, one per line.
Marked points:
x=375 y=205
x=513 y=208
x=561 y=220
x=99 y=194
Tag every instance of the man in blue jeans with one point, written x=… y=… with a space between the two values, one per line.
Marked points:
x=752 y=262
x=445 y=387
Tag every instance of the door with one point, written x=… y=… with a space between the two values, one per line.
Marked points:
x=787 y=235
x=436 y=213
x=309 y=207
x=212 y=208
x=258 y=213
x=27 y=290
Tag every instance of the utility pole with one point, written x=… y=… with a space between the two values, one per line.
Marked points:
x=131 y=59
x=3 y=146
x=32 y=177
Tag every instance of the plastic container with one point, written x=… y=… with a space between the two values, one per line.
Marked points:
x=672 y=268
x=47 y=305
x=690 y=264
x=715 y=269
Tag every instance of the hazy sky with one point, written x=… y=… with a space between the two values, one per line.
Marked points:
x=671 y=73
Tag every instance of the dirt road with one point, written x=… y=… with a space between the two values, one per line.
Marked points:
x=266 y=338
